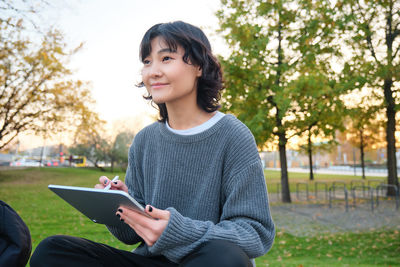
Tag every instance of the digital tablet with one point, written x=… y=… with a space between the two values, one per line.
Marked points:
x=99 y=205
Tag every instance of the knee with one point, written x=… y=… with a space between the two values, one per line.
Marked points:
x=43 y=251
x=219 y=253
x=228 y=254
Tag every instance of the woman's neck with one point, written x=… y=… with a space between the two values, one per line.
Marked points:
x=180 y=118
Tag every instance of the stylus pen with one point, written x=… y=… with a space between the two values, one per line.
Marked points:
x=113 y=180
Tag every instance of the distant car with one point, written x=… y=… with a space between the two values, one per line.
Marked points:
x=51 y=163
x=25 y=163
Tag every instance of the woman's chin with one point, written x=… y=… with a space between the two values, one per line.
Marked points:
x=158 y=100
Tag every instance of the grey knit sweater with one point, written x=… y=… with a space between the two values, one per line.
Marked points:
x=212 y=183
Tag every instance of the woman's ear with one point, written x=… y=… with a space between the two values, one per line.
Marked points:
x=199 y=72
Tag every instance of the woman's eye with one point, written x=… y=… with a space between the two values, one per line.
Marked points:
x=166 y=58
x=146 y=62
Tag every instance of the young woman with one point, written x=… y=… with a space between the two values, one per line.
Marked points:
x=197 y=171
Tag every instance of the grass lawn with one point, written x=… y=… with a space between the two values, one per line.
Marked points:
x=46 y=214
x=43 y=211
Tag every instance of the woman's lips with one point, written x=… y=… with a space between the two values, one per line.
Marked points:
x=158 y=85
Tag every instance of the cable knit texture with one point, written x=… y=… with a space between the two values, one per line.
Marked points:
x=212 y=183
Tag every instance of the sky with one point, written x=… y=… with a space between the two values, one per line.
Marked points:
x=111 y=32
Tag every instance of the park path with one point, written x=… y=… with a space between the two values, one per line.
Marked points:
x=308 y=219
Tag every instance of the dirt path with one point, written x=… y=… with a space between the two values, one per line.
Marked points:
x=311 y=219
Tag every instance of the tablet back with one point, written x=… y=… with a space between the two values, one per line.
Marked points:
x=99 y=205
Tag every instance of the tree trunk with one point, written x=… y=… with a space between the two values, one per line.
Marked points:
x=310 y=161
x=284 y=173
x=362 y=154
x=99 y=167
x=281 y=133
x=41 y=156
x=391 y=33
x=390 y=136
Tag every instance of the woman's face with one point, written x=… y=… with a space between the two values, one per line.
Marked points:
x=167 y=77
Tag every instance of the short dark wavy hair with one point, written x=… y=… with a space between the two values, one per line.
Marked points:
x=198 y=52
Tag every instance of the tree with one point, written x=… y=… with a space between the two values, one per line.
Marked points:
x=319 y=110
x=89 y=140
x=371 y=30
x=270 y=41
x=364 y=129
x=120 y=148
x=20 y=10
x=36 y=91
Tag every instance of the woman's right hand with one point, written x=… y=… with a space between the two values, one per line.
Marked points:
x=117 y=185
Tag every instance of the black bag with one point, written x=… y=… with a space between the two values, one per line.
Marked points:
x=15 y=238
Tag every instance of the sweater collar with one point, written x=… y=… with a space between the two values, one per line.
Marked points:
x=177 y=138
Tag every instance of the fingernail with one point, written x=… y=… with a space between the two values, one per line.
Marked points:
x=120 y=210
x=118 y=215
x=150 y=208
x=105 y=181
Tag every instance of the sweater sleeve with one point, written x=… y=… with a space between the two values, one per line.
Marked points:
x=125 y=233
x=245 y=220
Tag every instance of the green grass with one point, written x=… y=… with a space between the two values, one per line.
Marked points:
x=46 y=214
x=344 y=249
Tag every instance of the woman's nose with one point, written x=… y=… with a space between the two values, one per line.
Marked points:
x=155 y=70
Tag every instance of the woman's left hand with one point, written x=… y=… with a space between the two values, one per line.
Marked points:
x=147 y=228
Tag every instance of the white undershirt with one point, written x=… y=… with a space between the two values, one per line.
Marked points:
x=200 y=128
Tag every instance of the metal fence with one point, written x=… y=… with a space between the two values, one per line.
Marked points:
x=341 y=193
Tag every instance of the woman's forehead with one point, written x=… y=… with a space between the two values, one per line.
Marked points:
x=160 y=43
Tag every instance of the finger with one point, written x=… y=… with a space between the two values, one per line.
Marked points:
x=151 y=229
x=99 y=186
x=157 y=213
x=136 y=227
x=140 y=223
x=104 y=180
x=119 y=185
x=133 y=217
x=142 y=234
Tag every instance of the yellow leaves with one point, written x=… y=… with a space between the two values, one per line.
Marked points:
x=280 y=233
x=45 y=94
x=288 y=254
x=58 y=50
x=44 y=55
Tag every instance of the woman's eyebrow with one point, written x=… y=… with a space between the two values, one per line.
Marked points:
x=166 y=50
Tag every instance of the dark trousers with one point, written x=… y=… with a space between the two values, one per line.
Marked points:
x=62 y=251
